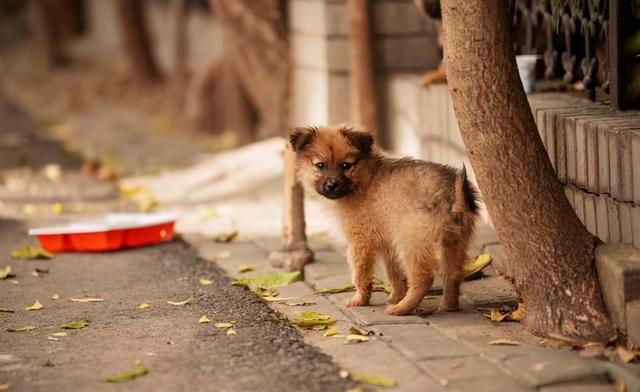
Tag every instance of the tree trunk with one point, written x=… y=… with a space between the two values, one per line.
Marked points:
x=550 y=251
x=362 y=67
x=55 y=32
x=137 y=42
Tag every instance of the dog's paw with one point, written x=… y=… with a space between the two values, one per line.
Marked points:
x=357 y=300
x=397 y=310
x=392 y=300
x=449 y=308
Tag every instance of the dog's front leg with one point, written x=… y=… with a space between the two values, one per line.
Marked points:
x=362 y=263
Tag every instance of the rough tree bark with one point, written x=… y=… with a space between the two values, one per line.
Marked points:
x=137 y=42
x=550 y=251
x=362 y=67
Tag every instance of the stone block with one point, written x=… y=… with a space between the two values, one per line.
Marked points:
x=619 y=273
x=375 y=314
x=589 y=385
x=590 y=219
x=626 y=227
x=615 y=180
x=561 y=148
x=447 y=371
x=421 y=342
x=635 y=226
x=613 y=216
x=578 y=204
x=635 y=166
x=546 y=368
x=491 y=384
x=602 y=218
x=633 y=322
x=568 y=192
x=603 y=161
x=591 y=136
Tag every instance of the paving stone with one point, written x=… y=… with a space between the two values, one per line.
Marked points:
x=548 y=367
x=458 y=369
x=488 y=291
x=375 y=314
x=319 y=270
x=593 y=385
x=421 y=342
x=381 y=359
x=619 y=273
x=491 y=384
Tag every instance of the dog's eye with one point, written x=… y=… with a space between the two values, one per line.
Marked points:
x=346 y=165
x=319 y=165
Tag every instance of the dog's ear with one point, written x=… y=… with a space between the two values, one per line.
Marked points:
x=361 y=140
x=301 y=138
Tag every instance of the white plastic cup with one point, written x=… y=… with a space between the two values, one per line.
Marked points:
x=527 y=70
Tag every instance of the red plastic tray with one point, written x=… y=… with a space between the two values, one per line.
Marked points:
x=107 y=233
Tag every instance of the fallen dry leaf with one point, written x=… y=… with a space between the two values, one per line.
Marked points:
x=143 y=306
x=180 y=303
x=331 y=331
x=355 y=330
x=625 y=354
x=141 y=196
x=223 y=325
x=5 y=310
x=481 y=261
x=518 y=314
x=22 y=329
x=57 y=208
x=205 y=282
x=6 y=272
x=265 y=285
x=52 y=171
x=504 y=342
x=352 y=338
x=135 y=372
x=36 y=306
x=203 y=319
x=246 y=268
x=58 y=334
x=76 y=324
x=497 y=316
x=226 y=237
x=370 y=379
x=55 y=297
x=52 y=338
x=309 y=320
x=35 y=273
x=29 y=252
x=231 y=331
x=87 y=300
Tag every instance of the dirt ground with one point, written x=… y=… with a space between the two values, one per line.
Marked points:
x=181 y=354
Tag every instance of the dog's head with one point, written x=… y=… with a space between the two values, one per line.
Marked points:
x=332 y=159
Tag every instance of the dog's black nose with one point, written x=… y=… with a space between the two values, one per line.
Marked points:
x=331 y=185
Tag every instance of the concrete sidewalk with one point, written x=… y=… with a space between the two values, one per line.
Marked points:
x=431 y=351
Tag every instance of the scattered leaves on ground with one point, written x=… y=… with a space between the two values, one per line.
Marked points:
x=226 y=237
x=141 y=196
x=29 y=252
x=265 y=285
x=627 y=355
x=518 y=314
x=76 y=324
x=36 y=306
x=87 y=299
x=504 y=342
x=379 y=381
x=311 y=320
x=481 y=261
x=57 y=208
x=134 y=372
x=205 y=282
x=180 y=303
x=504 y=313
x=22 y=329
x=143 y=306
x=55 y=297
x=231 y=331
x=246 y=268
x=204 y=319
x=6 y=272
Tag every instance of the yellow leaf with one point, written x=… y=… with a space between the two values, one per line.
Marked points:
x=57 y=208
x=55 y=297
x=518 y=314
x=231 y=331
x=203 y=319
x=205 y=282
x=478 y=264
x=226 y=237
x=332 y=331
x=180 y=303
x=87 y=299
x=28 y=252
x=355 y=330
x=22 y=329
x=497 y=316
x=36 y=306
x=5 y=272
x=504 y=342
x=354 y=390
x=52 y=171
x=59 y=334
x=223 y=325
x=271 y=298
x=143 y=306
x=379 y=381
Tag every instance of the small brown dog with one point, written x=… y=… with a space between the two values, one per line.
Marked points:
x=411 y=213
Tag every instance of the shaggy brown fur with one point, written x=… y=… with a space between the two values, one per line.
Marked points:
x=412 y=214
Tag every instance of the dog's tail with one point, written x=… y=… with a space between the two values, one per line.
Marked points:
x=464 y=210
